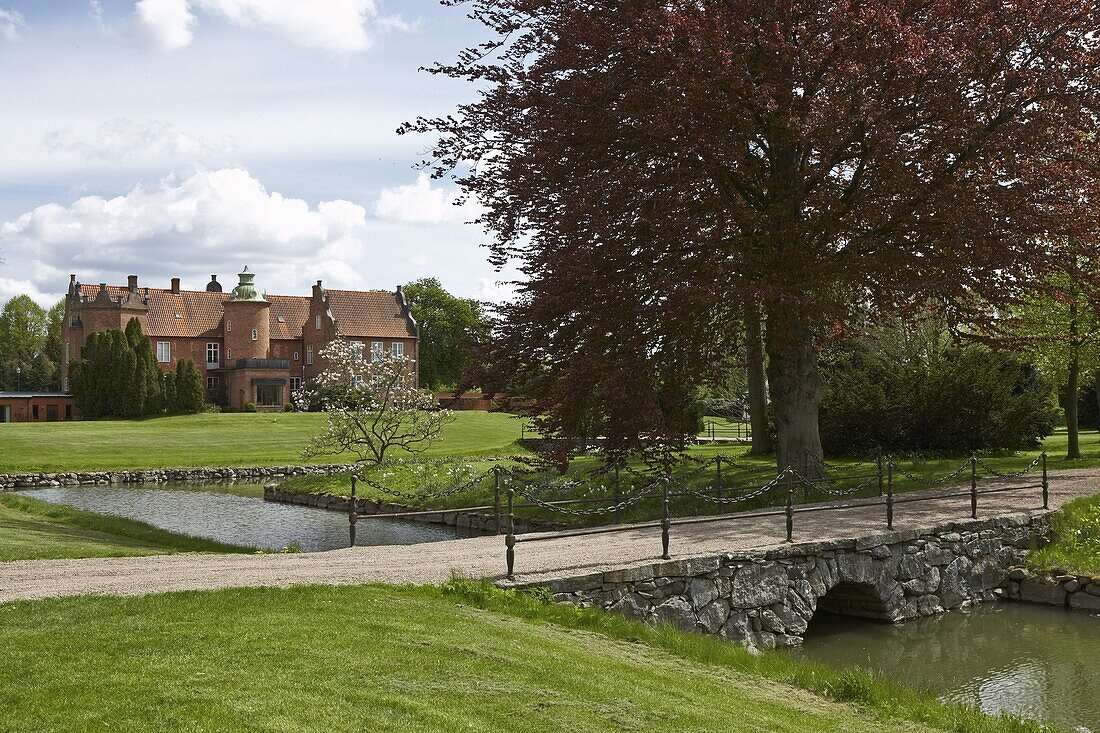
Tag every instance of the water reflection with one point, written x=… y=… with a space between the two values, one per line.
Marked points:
x=236 y=513
x=1032 y=661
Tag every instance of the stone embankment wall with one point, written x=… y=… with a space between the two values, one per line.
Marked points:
x=164 y=475
x=475 y=522
x=766 y=599
x=1079 y=592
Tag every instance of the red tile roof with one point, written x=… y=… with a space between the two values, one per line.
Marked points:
x=367 y=313
x=364 y=314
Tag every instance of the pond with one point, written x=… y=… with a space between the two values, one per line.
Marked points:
x=1036 y=662
x=237 y=514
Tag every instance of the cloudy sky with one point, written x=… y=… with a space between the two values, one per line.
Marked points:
x=189 y=137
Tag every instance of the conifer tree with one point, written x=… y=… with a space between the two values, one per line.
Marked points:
x=170 y=405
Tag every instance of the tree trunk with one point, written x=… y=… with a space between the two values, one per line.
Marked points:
x=1073 y=385
x=796 y=391
x=758 y=396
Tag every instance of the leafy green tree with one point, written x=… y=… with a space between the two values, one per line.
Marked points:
x=1060 y=331
x=170 y=403
x=188 y=388
x=448 y=327
x=26 y=361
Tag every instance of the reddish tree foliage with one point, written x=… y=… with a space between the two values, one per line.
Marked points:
x=654 y=164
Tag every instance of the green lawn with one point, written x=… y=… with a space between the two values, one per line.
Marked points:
x=211 y=439
x=1075 y=544
x=414 y=659
x=36 y=530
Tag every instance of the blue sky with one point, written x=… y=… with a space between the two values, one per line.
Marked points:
x=189 y=137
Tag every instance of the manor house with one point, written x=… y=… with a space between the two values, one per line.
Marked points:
x=251 y=347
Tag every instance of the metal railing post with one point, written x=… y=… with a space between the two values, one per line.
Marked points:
x=790 y=506
x=890 y=495
x=718 y=477
x=973 y=487
x=666 y=522
x=878 y=461
x=352 y=517
x=618 y=496
x=1046 y=483
x=496 y=498
x=510 y=540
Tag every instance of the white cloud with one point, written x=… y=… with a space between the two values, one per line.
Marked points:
x=219 y=219
x=496 y=291
x=10 y=288
x=423 y=203
x=339 y=26
x=165 y=24
x=123 y=139
x=10 y=23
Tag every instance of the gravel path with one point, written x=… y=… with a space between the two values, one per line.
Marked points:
x=484 y=556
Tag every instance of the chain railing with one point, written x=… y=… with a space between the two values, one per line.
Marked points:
x=513 y=484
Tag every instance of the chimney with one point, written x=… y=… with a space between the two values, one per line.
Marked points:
x=318 y=290
x=131 y=283
x=176 y=285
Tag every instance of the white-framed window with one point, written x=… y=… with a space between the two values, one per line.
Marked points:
x=164 y=352
x=255 y=335
x=309 y=354
x=229 y=353
x=295 y=356
x=357 y=380
x=317 y=323
x=213 y=353
x=295 y=384
x=397 y=348
x=74 y=321
x=229 y=325
x=68 y=352
x=377 y=348
x=357 y=350
x=211 y=383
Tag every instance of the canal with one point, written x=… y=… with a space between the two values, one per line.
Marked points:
x=236 y=513
x=1035 y=662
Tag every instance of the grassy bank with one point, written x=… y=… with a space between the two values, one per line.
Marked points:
x=36 y=530
x=213 y=440
x=465 y=657
x=1075 y=545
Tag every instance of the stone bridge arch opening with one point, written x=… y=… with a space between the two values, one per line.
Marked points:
x=850 y=598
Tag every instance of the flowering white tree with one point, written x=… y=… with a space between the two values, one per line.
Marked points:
x=372 y=405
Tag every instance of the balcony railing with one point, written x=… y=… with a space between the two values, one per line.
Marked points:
x=263 y=363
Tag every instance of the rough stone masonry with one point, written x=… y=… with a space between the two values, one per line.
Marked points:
x=765 y=599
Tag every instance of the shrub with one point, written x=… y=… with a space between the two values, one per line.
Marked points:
x=288 y=407
x=249 y=407
x=950 y=399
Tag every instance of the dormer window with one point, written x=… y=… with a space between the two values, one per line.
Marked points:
x=280 y=319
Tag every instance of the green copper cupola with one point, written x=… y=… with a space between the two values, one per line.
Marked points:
x=246 y=289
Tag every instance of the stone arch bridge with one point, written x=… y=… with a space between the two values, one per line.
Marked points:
x=766 y=599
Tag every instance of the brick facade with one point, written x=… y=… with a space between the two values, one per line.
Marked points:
x=263 y=344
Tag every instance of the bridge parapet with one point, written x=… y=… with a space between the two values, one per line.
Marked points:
x=766 y=598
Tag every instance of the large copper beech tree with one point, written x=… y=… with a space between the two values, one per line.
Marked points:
x=654 y=165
